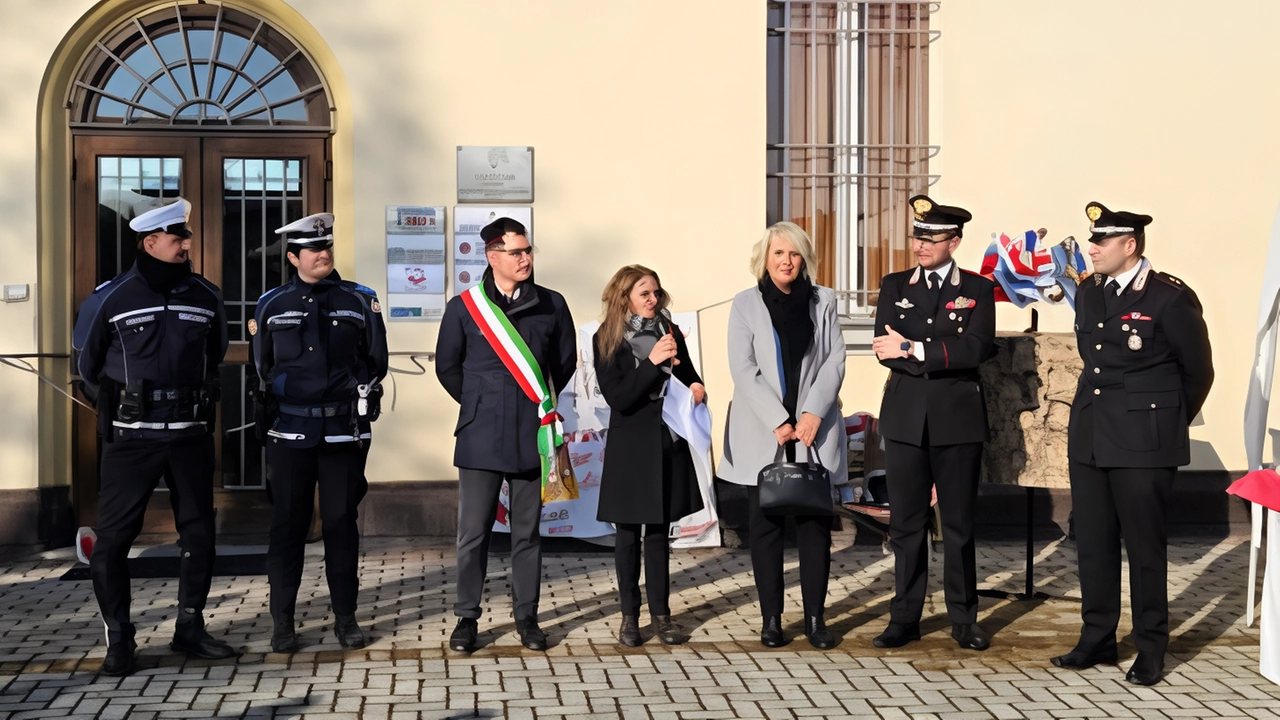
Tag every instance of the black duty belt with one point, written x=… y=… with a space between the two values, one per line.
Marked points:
x=337 y=409
x=173 y=394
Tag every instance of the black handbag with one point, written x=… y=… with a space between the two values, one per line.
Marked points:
x=792 y=488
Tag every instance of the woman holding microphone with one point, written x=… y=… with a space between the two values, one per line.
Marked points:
x=648 y=480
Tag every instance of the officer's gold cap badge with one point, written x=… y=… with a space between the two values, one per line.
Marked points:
x=921 y=206
x=253 y=326
x=1094 y=212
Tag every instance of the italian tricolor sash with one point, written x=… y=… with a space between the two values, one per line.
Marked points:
x=558 y=482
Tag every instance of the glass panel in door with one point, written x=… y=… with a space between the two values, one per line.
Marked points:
x=128 y=187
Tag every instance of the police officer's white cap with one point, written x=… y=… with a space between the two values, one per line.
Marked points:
x=312 y=231
x=171 y=218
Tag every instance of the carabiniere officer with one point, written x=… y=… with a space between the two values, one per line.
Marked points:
x=1147 y=372
x=320 y=348
x=147 y=346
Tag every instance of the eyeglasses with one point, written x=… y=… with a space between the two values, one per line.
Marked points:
x=931 y=241
x=516 y=253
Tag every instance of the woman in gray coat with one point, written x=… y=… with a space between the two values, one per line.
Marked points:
x=786 y=356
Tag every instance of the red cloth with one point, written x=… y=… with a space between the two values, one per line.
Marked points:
x=1259 y=486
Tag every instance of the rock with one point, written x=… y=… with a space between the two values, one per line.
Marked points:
x=1029 y=386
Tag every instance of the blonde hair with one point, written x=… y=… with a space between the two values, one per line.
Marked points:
x=799 y=240
x=616 y=300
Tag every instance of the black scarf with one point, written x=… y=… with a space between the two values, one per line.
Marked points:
x=789 y=313
x=162 y=276
x=642 y=334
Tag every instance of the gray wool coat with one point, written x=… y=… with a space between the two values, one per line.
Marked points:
x=757 y=389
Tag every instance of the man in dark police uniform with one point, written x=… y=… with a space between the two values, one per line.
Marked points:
x=1147 y=372
x=147 y=346
x=320 y=349
x=498 y=425
x=934 y=326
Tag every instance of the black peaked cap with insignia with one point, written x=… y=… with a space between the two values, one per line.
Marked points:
x=496 y=230
x=932 y=218
x=1104 y=223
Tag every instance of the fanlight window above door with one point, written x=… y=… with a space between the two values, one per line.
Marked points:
x=205 y=65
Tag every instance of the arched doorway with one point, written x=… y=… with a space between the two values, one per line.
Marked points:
x=214 y=103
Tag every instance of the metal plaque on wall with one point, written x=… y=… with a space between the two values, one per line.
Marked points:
x=495 y=174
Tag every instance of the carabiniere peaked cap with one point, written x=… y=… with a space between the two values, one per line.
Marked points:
x=1104 y=223
x=932 y=218
x=171 y=218
x=314 y=232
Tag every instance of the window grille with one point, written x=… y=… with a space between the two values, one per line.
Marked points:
x=848 y=133
x=200 y=65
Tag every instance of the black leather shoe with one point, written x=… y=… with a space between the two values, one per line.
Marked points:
x=284 y=637
x=531 y=636
x=463 y=639
x=897 y=635
x=771 y=635
x=818 y=634
x=348 y=632
x=629 y=633
x=1148 y=669
x=969 y=636
x=195 y=641
x=1082 y=658
x=668 y=631
x=119 y=660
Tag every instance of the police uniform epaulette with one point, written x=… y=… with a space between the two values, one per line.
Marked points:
x=1170 y=279
x=364 y=289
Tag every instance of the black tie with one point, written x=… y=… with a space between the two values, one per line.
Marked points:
x=1112 y=295
x=935 y=288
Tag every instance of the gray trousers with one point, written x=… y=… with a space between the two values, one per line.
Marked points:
x=478 y=492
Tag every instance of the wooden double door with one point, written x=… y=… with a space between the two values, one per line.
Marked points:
x=241 y=189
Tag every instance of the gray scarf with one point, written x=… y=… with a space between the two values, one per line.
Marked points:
x=642 y=334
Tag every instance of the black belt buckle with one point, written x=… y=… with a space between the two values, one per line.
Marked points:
x=130 y=409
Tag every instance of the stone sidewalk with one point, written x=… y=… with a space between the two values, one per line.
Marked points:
x=51 y=645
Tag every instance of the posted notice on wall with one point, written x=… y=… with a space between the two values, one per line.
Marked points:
x=490 y=174
x=468 y=249
x=416 y=274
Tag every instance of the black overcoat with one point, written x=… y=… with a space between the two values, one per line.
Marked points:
x=944 y=392
x=497 y=423
x=1147 y=372
x=648 y=477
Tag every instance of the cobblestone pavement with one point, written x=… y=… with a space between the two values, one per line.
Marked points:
x=51 y=645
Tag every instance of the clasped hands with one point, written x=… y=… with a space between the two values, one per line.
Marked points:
x=805 y=430
x=889 y=345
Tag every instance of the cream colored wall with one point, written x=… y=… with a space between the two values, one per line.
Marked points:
x=647 y=130
x=1160 y=107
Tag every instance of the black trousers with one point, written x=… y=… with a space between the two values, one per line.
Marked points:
x=478 y=492
x=912 y=472
x=131 y=469
x=1128 y=503
x=657 y=572
x=813 y=538
x=292 y=477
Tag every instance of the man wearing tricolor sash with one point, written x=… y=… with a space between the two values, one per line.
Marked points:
x=506 y=349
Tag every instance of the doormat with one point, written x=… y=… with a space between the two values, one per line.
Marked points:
x=169 y=565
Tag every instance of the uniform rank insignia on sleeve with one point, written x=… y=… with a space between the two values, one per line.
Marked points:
x=252 y=325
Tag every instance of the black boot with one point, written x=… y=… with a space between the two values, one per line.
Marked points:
x=771 y=635
x=897 y=635
x=191 y=638
x=120 y=650
x=348 y=632
x=629 y=632
x=668 y=631
x=819 y=636
x=284 y=637
x=463 y=639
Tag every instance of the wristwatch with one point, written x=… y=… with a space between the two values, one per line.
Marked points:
x=905 y=346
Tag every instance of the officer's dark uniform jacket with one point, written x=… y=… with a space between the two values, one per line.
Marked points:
x=314 y=346
x=1136 y=397
x=149 y=360
x=497 y=423
x=945 y=390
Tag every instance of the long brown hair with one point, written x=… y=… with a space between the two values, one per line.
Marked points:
x=616 y=300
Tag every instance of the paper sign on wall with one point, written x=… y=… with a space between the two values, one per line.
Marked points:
x=416 y=272
x=468 y=249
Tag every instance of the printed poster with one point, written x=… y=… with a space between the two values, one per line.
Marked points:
x=416 y=273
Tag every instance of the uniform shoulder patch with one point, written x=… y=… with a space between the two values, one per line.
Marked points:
x=365 y=290
x=1170 y=279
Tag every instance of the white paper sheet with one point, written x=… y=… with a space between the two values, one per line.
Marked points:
x=692 y=421
x=1269 y=635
